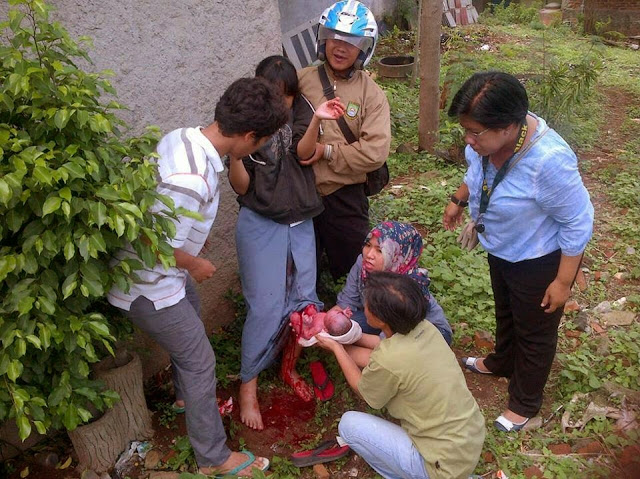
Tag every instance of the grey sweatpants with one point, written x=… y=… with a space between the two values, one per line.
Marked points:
x=179 y=330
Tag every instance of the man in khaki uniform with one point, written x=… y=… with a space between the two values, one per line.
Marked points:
x=346 y=39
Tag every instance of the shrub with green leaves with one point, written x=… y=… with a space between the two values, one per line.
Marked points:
x=72 y=192
x=513 y=13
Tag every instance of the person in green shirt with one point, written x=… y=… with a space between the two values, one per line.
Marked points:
x=412 y=373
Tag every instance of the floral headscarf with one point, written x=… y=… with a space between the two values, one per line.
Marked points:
x=401 y=246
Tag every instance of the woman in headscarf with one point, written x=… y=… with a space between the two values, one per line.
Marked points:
x=393 y=247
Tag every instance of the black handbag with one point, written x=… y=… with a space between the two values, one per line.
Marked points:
x=376 y=179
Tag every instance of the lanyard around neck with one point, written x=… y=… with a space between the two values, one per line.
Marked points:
x=485 y=194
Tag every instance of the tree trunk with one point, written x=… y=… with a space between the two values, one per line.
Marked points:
x=99 y=443
x=430 y=26
x=589 y=7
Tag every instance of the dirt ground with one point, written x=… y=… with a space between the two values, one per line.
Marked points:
x=290 y=425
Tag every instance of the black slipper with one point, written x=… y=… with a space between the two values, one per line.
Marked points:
x=326 y=451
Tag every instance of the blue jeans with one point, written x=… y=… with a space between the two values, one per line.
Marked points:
x=385 y=446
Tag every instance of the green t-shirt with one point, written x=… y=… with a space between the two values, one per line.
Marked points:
x=417 y=378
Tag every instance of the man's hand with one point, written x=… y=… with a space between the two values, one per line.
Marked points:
x=555 y=296
x=316 y=156
x=201 y=269
x=330 y=110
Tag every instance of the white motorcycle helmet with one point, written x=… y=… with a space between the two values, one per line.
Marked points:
x=351 y=22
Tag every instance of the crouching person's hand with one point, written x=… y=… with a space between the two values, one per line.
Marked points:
x=328 y=343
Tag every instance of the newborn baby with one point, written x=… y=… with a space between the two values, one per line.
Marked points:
x=310 y=322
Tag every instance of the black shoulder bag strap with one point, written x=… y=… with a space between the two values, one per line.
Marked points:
x=330 y=94
x=377 y=179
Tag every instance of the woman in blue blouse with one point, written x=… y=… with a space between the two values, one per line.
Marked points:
x=532 y=214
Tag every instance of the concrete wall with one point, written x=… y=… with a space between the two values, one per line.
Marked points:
x=172 y=61
x=296 y=12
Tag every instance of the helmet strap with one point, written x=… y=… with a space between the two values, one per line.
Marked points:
x=359 y=63
x=322 y=52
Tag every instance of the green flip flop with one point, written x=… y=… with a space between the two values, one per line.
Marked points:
x=233 y=472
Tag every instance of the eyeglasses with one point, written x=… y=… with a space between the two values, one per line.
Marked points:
x=475 y=136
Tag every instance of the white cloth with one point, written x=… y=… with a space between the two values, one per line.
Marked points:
x=349 y=337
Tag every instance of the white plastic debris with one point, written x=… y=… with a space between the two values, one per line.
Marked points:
x=136 y=447
x=603 y=307
x=619 y=303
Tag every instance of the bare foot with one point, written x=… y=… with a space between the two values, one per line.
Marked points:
x=235 y=459
x=299 y=385
x=249 y=407
x=179 y=403
x=513 y=417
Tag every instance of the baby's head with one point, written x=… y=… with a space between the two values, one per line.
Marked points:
x=394 y=299
x=337 y=323
x=280 y=72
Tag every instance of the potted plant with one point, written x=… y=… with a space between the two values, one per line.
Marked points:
x=73 y=190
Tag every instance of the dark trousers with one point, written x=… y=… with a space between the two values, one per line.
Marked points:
x=342 y=227
x=526 y=336
x=179 y=330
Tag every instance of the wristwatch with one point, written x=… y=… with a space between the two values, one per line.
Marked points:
x=458 y=202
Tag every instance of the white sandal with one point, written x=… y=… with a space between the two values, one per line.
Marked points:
x=503 y=424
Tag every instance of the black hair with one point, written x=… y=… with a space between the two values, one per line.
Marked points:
x=395 y=299
x=279 y=71
x=493 y=99
x=251 y=105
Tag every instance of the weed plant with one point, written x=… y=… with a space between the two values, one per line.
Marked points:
x=514 y=13
x=615 y=358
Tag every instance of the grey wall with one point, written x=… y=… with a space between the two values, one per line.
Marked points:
x=296 y=12
x=172 y=61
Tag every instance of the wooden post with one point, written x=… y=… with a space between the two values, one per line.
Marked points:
x=429 y=118
x=589 y=7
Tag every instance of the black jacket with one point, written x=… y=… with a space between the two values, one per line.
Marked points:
x=280 y=188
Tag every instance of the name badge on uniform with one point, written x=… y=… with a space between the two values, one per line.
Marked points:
x=352 y=109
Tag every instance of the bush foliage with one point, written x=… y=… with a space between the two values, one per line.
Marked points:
x=72 y=192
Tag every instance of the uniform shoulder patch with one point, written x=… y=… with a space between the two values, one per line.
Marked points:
x=352 y=109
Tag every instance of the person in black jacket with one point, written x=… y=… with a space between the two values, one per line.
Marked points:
x=275 y=237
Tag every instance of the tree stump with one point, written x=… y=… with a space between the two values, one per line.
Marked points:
x=98 y=444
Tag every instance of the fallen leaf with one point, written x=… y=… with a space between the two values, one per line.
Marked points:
x=66 y=463
x=25 y=472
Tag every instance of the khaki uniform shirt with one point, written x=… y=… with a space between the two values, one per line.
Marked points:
x=369 y=119
x=417 y=378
